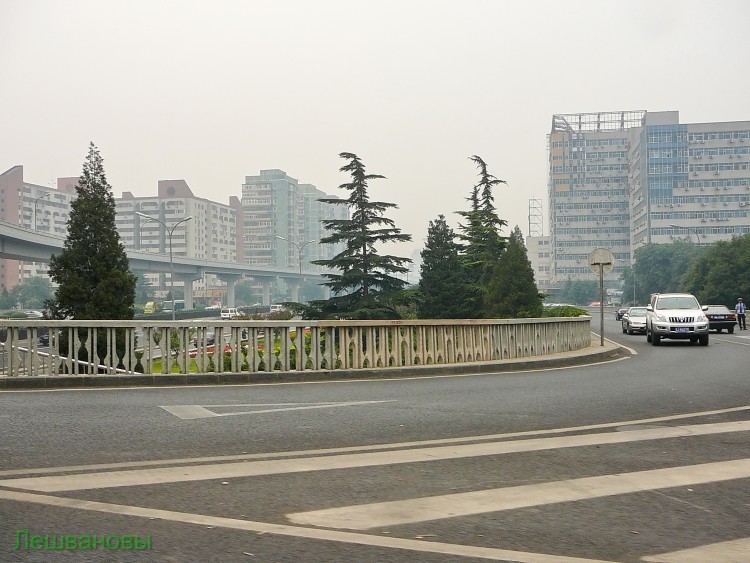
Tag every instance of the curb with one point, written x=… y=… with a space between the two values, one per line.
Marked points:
x=592 y=354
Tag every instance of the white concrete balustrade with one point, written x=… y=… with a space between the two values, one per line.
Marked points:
x=203 y=346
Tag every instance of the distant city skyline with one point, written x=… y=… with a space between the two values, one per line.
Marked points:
x=212 y=92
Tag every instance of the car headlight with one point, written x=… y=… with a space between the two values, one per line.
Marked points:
x=702 y=318
x=661 y=318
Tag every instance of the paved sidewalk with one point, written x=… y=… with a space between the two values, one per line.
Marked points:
x=593 y=354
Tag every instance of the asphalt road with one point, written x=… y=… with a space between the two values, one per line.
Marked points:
x=639 y=459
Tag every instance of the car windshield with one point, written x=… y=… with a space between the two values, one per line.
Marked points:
x=637 y=312
x=718 y=309
x=680 y=302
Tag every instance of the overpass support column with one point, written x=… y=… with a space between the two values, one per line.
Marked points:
x=231 y=281
x=187 y=280
x=267 y=291
x=295 y=291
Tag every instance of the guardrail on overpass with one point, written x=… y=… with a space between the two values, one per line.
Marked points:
x=211 y=346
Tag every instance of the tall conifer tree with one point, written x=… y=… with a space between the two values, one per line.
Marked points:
x=92 y=271
x=443 y=276
x=512 y=291
x=361 y=280
x=480 y=234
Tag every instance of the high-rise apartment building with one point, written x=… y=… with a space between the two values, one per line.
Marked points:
x=280 y=216
x=36 y=207
x=620 y=180
x=211 y=233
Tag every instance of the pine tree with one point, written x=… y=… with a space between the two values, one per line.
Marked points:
x=92 y=271
x=366 y=280
x=512 y=291
x=483 y=243
x=443 y=276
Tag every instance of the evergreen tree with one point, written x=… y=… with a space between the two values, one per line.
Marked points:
x=365 y=279
x=512 y=291
x=443 y=277
x=92 y=271
x=483 y=243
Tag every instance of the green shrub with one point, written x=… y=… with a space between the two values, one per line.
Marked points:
x=564 y=311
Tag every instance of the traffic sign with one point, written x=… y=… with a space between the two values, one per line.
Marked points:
x=601 y=260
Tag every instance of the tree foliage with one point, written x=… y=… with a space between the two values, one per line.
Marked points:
x=579 y=292
x=661 y=268
x=362 y=280
x=33 y=292
x=511 y=291
x=92 y=271
x=480 y=235
x=443 y=278
x=721 y=273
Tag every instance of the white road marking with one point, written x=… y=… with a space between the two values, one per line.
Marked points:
x=736 y=551
x=383 y=514
x=373 y=447
x=190 y=412
x=297 y=531
x=323 y=463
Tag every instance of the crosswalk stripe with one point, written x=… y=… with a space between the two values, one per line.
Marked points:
x=184 y=473
x=422 y=546
x=372 y=447
x=735 y=551
x=368 y=516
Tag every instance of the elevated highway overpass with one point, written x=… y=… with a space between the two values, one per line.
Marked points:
x=20 y=243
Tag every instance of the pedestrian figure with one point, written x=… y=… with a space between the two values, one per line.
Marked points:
x=740 y=310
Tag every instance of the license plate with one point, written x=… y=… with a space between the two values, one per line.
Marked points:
x=682 y=329
x=719 y=318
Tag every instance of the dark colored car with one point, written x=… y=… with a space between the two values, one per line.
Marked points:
x=44 y=339
x=209 y=339
x=720 y=318
x=619 y=313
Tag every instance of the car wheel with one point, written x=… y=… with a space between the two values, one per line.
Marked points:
x=648 y=335
x=704 y=339
x=730 y=330
x=623 y=329
x=630 y=331
x=718 y=331
x=655 y=339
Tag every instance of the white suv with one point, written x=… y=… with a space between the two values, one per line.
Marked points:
x=678 y=316
x=229 y=313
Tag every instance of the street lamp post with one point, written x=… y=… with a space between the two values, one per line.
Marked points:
x=688 y=229
x=299 y=249
x=170 y=232
x=632 y=274
x=36 y=203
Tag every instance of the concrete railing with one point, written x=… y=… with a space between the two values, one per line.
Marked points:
x=201 y=346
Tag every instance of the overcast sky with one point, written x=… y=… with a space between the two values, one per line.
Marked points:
x=213 y=91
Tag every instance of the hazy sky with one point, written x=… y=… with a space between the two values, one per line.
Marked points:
x=212 y=91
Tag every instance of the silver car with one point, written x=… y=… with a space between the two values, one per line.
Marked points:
x=678 y=316
x=634 y=320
